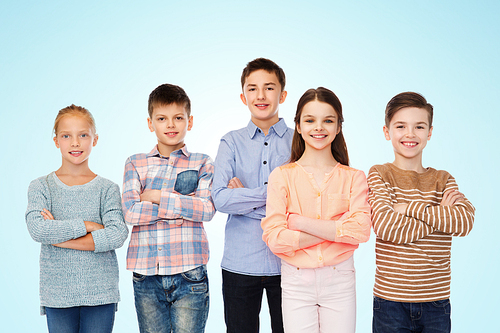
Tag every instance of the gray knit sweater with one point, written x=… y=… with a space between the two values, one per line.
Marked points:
x=71 y=277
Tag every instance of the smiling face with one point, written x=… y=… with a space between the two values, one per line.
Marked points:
x=262 y=94
x=170 y=123
x=75 y=138
x=409 y=132
x=319 y=124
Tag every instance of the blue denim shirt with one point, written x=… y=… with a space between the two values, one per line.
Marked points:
x=251 y=156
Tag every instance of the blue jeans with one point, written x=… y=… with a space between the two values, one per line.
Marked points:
x=399 y=317
x=81 y=319
x=243 y=298
x=172 y=303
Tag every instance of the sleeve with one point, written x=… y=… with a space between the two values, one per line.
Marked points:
x=456 y=219
x=276 y=234
x=48 y=231
x=198 y=207
x=354 y=226
x=388 y=224
x=136 y=212
x=240 y=201
x=115 y=230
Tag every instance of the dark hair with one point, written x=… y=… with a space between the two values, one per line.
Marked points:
x=167 y=94
x=407 y=100
x=338 y=146
x=267 y=65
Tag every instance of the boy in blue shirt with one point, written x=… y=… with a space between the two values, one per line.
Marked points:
x=244 y=161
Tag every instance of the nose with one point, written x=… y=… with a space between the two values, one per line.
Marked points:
x=75 y=142
x=170 y=123
x=261 y=95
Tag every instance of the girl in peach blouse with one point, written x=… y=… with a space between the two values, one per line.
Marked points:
x=317 y=214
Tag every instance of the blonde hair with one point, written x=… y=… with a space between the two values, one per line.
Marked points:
x=74 y=110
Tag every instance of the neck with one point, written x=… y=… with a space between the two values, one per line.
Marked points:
x=266 y=124
x=411 y=164
x=319 y=158
x=167 y=150
x=74 y=170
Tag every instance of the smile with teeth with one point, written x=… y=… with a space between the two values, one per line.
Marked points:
x=171 y=134
x=261 y=106
x=76 y=153
x=319 y=136
x=409 y=144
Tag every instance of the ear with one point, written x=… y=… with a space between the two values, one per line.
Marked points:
x=386 y=133
x=56 y=142
x=243 y=98
x=297 y=127
x=430 y=133
x=150 y=125
x=96 y=137
x=283 y=96
x=190 y=123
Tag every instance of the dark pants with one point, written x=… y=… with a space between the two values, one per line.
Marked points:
x=81 y=319
x=399 y=317
x=243 y=298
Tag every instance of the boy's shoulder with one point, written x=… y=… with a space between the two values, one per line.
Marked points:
x=390 y=173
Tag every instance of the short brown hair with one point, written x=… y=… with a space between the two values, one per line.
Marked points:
x=74 y=110
x=167 y=94
x=407 y=100
x=267 y=65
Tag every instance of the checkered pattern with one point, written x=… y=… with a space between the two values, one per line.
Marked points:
x=168 y=238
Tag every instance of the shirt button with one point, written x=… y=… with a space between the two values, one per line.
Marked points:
x=319 y=194
x=265 y=162
x=254 y=208
x=320 y=258
x=318 y=216
x=259 y=130
x=265 y=183
x=164 y=184
x=265 y=143
x=159 y=249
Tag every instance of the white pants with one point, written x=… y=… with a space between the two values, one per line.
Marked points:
x=319 y=299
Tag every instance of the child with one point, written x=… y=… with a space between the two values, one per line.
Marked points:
x=416 y=210
x=166 y=198
x=244 y=161
x=77 y=217
x=317 y=214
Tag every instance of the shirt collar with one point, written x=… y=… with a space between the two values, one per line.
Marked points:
x=178 y=152
x=279 y=128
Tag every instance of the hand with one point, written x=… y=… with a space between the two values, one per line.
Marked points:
x=400 y=208
x=153 y=196
x=451 y=197
x=294 y=221
x=235 y=183
x=92 y=226
x=46 y=214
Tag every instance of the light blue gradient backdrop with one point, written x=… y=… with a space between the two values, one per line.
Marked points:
x=109 y=55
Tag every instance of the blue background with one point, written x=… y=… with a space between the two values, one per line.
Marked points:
x=109 y=55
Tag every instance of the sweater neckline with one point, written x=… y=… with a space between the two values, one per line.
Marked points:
x=60 y=183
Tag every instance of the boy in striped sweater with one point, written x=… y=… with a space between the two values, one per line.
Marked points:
x=416 y=211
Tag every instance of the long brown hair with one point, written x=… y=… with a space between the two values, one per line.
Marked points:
x=338 y=146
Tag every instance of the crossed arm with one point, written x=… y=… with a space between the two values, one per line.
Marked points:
x=84 y=243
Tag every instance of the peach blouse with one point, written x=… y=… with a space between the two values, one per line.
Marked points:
x=342 y=197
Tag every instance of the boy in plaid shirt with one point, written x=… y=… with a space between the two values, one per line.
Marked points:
x=166 y=198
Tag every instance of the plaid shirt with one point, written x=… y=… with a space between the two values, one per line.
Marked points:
x=168 y=238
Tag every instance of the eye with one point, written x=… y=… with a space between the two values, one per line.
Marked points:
x=160 y=118
x=270 y=88
x=179 y=118
x=84 y=135
x=329 y=121
x=309 y=121
x=400 y=126
x=420 y=127
x=65 y=136
x=251 y=89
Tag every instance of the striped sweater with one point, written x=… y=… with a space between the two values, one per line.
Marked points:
x=413 y=250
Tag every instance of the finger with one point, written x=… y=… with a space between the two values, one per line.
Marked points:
x=238 y=182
